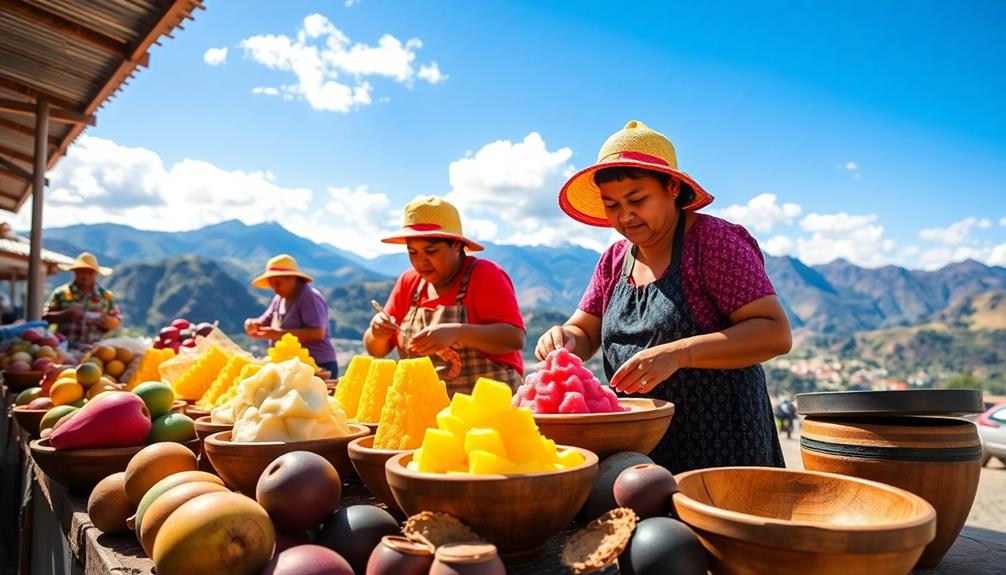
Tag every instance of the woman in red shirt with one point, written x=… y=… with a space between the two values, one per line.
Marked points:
x=459 y=310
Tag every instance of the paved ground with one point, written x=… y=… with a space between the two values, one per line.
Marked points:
x=989 y=509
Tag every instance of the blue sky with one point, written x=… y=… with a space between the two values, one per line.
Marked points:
x=873 y=131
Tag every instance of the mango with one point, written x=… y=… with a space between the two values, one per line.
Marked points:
x=55 y=414
x=163 y=486
x=114 y=419
x=215 y=533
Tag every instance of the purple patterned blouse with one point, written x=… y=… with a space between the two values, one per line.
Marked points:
x=722 y=269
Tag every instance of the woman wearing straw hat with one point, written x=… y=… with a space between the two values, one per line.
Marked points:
x=297 y=309
x=459 y=310
x=681 y=309
x=82 y=310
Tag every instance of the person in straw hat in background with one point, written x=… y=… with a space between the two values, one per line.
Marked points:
x=459 y=310
x=297 y=308
x=82 y=310
x=681 y=309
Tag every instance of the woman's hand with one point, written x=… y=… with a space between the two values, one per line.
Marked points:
x=252 y=327
x=382 y=327
x=435 y=338
x=647 y=368
x=556 y=337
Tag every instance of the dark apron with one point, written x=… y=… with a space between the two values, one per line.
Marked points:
x=722 y=417
x=459 y=367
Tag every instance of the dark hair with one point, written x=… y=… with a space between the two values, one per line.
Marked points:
x=686 y=194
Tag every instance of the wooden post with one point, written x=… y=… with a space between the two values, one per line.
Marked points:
x=35 y=287
x=13 y=292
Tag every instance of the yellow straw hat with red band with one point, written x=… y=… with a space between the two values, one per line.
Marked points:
x=635 y=146
x=431 y=217
x=281 y=265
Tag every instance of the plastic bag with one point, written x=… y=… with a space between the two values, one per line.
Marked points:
x=174 y=368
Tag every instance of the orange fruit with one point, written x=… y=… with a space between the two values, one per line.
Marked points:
x=65 y=392
x=104 y=353
x=88 y=374
x=124 y=355
x=115 y=368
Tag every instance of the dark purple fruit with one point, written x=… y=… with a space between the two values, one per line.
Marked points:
x=661 y=545
x=354 y=531
x=647 y=489
x=204 y=329
x=601 y=498
x=308 y=560
x=299 y=490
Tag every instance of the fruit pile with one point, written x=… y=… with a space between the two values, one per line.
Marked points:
x=118 y=363
x=483 y=433
x=411 y=405
x=288 y=347
x=283 y=402
x=187 y=521
x=363 y=391
x=561 y=384
x=34 y=350
x=181 y=333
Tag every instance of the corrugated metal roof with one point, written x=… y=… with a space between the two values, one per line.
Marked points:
x=75 y=53
x=14 y=246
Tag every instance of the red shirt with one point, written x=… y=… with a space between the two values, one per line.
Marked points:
x=490 y=299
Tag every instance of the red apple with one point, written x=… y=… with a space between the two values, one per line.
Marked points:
x=189 y=343
x=181 y=324
x=169 y=333
x=41 y=363
x=31 y=336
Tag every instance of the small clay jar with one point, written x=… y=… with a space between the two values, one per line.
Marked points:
x=396 y=555
x=467 y=559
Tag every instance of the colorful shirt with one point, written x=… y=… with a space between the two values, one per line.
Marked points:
x=81 y=332
x=722 y=270
x=490 y=299
x=307 y=310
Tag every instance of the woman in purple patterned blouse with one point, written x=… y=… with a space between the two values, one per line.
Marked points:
x=682 y=308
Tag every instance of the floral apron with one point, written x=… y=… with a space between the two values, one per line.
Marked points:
x=722 y=417
x=459 y=367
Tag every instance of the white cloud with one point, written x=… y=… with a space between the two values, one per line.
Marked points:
x=856 y=238
x=351 y=3
x=330 y=70
x=516 y=184
x=851 y=166
x=215 y=56
x=778 y=246
x=1002 y=222
x=998 y=256
x=958 y=233
x=101 y=181
x=761 y=213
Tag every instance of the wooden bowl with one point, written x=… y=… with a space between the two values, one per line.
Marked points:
x=29 y=419
x=80 y=469
x=369 y=425
x=21 y=380
x=936 y=458
x=369 y=464
x=517 y=513
x=178 y=406
x=790 y=522
x=194 y=412
x=639 y=429
x=240 y=464
x=205 y=427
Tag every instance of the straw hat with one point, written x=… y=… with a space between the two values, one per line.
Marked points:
x=86 y=261
x=431 y=217
x=635 y=146
x=278 y=266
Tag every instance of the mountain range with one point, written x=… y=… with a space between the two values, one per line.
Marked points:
x=205 y=275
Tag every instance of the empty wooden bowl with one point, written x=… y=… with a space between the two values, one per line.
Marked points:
x=21 y=380
x=80 y=469
x=517 y=513
x=755 y=520
x=240 y=464
x=639 y=429
x=936 y=458
x=29 y=419
x=369 y=464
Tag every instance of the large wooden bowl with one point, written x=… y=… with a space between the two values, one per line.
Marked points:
x=194 y=412
x=517 y=513
x=21 y=380
x=639 y=429
x=80 y=469
x=240 y=464
x=369 y=464
x=755 y=520
x=29 y=419
x=205 y=427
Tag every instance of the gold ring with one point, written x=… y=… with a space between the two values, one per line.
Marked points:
x=643 y=383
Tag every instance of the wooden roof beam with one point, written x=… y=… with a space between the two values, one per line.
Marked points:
x=27 y=131
x=26 y=177
x=5 y=151
x=12 y=167
x=13 y=85
x=67 y=27
x=56 y=114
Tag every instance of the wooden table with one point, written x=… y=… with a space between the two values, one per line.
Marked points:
x=58 y=538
